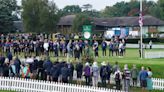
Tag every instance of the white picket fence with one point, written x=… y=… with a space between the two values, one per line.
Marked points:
x=154 y=54
x=158 y=83
x=24 y=85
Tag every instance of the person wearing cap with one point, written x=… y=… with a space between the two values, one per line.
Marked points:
x=103 y=73
x=95 y=74
x=87 y=73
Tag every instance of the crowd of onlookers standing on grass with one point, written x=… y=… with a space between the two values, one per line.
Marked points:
x=62 y=71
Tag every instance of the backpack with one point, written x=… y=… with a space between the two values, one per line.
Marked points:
x=104 y=71
x=117 y=77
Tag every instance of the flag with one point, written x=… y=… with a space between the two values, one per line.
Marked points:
x=140 y=19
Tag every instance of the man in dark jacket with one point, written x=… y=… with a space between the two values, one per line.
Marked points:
x=2 y=60
x=17 y=64
x=47 y=67
x=71 y=70
x=103 y=46
x=65 y=74
x=55 y=72
x=103 y=73
x=79 y=70
x=40 y=70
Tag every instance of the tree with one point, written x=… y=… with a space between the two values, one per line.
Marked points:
x=161 y=8
x=39 y=15
x=71 y=9
x=7 y=7
x=80 y=20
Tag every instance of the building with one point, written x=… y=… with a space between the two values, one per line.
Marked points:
x=115 y=25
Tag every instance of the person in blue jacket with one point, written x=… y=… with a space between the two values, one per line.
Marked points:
x=104 y=46
x=47 y=65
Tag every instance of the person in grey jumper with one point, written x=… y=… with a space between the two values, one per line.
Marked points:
x=95 y=74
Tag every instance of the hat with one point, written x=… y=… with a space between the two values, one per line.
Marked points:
x=103 y=63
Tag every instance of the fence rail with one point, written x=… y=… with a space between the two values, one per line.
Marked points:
x=24 y=85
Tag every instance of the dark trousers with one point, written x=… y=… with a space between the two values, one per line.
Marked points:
x=103 y=80
x=55 y=79
x=110 y=52
x=64 y=80
x=118 y=85
x=104 y=52
x=87 y=80
x=40 y=74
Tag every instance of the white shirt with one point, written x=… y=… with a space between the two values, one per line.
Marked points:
x=46 y=45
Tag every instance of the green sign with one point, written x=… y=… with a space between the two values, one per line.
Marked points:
x=87 y=29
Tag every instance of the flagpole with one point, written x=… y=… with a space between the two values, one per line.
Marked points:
x=141 y=39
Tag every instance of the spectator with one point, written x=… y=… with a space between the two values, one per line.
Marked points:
x=6 y=68
x=142 y=77
x=134 y=74
x=150 y=44
x=79 y=70
x=71 y=70
x=103 y=73
x=26 y=71
x=109 y=70
x=17 y=64
x=55 y=72
x=87 y=73
x=2 y=60
x=40 y=74
x=111 y=48
x=149 y=80
x=9 y=56
x=115 y=67
x=104 y=46
x=118 y=77
x=12 y=69
x=126 y=78
x=47 y=65
x=65 y=74
x=95 y=74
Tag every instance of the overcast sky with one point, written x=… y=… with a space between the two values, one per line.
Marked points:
x=97 y=4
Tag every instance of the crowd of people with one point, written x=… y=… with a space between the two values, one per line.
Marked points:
x=66 y=72
x=25 y=57
x=41 y=45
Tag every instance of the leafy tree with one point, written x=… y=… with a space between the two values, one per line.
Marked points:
x=71 y=9
x=80 y=20
x=39 y=15
x=7 y=7
x=161 y=8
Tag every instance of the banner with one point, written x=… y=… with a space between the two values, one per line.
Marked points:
x=87 y=29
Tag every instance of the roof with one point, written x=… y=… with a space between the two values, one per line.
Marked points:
x=18 y=25
x=116 y=21
x=66 y=20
